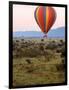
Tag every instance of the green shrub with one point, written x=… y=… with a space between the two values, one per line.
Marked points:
x=61 y=41
x=63 y=51
x=60 y=67
x=28 y=61
x=17 y=40
x=63 y=61
x=51 y=46
x=41 y=48
x=22 y=39
x=42 y=40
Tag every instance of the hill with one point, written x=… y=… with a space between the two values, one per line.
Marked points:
x=55 y=33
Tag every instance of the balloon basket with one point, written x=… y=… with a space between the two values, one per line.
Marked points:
x=45 y=36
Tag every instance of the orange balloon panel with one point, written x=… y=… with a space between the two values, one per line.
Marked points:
x=45 y=17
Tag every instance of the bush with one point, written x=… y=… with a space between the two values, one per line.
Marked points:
x=17 y=40
x=61 y=41
x=63 y=52
x=51 y=46
x=63 y=61
x=22 y=39
x=60 y=67
x=42 y=39
x=41 y=48
x=49 y=55
x=33 y=52
x=53 y=41
x=28 y=61
x=58 y=51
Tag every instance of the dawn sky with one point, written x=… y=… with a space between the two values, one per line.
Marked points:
x=23 y=18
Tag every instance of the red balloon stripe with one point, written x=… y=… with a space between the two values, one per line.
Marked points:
x=45 y=17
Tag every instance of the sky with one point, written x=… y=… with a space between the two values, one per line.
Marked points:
x=23 y=18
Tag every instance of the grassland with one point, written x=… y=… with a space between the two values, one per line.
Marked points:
x=38 y=61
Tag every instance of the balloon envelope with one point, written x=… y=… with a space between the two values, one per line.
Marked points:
x=45 y=17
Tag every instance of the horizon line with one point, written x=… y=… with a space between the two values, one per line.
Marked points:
x=39 y=30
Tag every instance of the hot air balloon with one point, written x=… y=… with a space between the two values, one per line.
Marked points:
x=45 y=18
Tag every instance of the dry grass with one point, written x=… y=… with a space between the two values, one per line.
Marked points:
x=36 y=61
